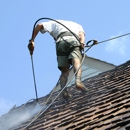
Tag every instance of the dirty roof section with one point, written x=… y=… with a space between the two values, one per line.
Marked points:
x=105 y=107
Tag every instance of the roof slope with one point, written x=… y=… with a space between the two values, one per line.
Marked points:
x=105 y=107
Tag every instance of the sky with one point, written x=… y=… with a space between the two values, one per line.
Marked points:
x=101 y=20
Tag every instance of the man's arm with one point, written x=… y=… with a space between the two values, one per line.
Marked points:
x=31 y=41
x=36 y=31
x=82 y=39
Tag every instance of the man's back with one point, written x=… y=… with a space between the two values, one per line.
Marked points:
x=55 y=28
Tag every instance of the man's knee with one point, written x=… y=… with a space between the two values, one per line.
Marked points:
x=65 y=72
x=76 y=61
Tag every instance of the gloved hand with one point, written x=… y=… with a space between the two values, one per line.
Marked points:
x=82 y=46
x=31 y=46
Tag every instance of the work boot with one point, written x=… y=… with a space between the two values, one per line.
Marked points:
x=80 y=86
x=66 y=95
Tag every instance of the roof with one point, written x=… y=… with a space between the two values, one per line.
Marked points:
x=105 y=107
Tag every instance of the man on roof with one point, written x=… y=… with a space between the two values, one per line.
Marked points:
x=69 y=38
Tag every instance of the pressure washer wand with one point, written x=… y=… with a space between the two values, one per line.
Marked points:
x=34 y=78
x=31 y=49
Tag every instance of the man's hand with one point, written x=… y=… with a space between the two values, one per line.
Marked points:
x=82 y=46
x=31 y=46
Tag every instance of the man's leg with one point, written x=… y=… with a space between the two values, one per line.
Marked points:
x=76 y=64
x=63 y=81
x=64 y=76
